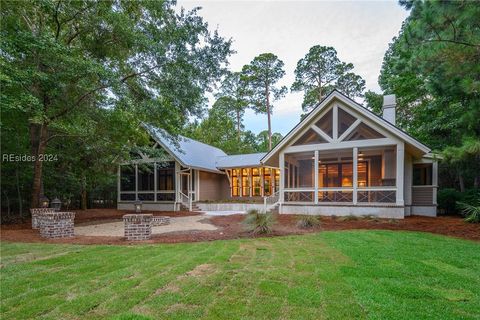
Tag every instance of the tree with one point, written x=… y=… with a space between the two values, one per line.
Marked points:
x=433 y=67
x=232 y=98
x=62 y=59
x=261 y=77
x=262 y=140
x=320 y=71
x=374 y=102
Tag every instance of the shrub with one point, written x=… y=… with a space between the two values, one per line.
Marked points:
x=259 y=223
x=307 y=221
x=471 y=212
x=447 y=200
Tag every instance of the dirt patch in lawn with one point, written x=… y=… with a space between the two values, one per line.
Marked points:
x=231 y=227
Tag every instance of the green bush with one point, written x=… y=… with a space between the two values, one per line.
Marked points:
x=259 y=223
x=447 y=200
x=306 y=221
x=471 y=212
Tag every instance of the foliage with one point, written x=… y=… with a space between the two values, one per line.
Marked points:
x=258 y=222
x=306 y=221
x=447 y=199
x=433 y=67
x=72 y=71
x=374 y=102
x=261 y=77
x=471 y=212
x=320 y=71
x=232 y=98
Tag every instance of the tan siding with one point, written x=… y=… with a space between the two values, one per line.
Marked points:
x=422 y=196
x=213 y=186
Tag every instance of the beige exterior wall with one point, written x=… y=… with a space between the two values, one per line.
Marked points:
x=213 y=186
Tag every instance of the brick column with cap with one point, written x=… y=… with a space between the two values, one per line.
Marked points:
x=138 y=226
x=54 y=225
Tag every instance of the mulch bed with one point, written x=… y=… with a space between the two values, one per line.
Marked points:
x=231 y=227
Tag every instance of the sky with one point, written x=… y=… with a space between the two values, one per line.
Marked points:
x=360 y=31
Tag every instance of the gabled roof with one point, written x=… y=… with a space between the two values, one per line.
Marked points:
x=188 y=152
x=240 y=160
x=335 y=94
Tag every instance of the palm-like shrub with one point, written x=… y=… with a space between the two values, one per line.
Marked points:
x=471 y=212
x=306 y=221
x=259 y=223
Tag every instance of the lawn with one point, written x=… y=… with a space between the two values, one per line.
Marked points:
x=328 y=275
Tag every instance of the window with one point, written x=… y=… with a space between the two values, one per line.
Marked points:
x=326 y=123
x=335 y=175
x=345 y=120
x=235 y=182
x=267 y=181
x=363 y=132
x=127 y=178
x=309 y=137
x=256 y=182
x=422 y=174
x=276 y=180
x=246 y=182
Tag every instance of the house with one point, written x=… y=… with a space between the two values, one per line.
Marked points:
x=341 y=159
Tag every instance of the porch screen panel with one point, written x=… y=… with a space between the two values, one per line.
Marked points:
x=166 y=181
x=146 y=177
x=127 y=178
x=377 y=167
x=301 y=170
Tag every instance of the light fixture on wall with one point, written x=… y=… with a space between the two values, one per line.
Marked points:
x=44 y=201
x=138 y=206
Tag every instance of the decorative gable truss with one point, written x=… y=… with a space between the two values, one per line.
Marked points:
x=338 y=127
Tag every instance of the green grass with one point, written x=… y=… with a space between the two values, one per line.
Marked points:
x=330 y=275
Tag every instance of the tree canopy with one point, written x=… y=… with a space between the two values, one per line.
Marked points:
x=261 y=77
x=320 y=71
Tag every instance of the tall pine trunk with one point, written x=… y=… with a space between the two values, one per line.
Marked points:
x=38 y=165
x=83 y=203
x=267 y=94
x=238 y=126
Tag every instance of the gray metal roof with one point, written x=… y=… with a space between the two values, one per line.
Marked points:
x=189 y=152
x=240 y=160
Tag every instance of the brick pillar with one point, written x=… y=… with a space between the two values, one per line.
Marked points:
x=35 y=212
x=138 y=226
x=55 y=225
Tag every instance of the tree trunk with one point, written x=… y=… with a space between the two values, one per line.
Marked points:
x=38 y=167
x=267 y=94
x=19 y=194
x=461 y=182
x=238 y=126
x=83 y=204
x=8 y=204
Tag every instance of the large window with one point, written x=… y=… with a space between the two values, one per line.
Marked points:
x=235 y=182
x=267 y=181
x=246 y=182
x=256 y=182
x=422 y=174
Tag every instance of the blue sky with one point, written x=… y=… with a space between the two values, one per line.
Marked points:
x=360 y=31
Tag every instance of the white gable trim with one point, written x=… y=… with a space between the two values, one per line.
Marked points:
x=356 y=107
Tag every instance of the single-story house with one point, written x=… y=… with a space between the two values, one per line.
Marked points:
x=341 y=159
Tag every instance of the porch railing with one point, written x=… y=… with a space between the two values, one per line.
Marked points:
x=271 y=201
x=184 y=199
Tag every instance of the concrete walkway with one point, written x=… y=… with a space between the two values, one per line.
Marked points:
x=115 y=229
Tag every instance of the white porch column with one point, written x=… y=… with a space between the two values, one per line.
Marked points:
x=240 y=181
x=118 y=183
x=355 y=175
x=136 y=182
x=399 y=171
x=155 y=181
x=315 y=195
x=434 y=181
x=177 y=185
x=262 y=182
x=281 y=162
